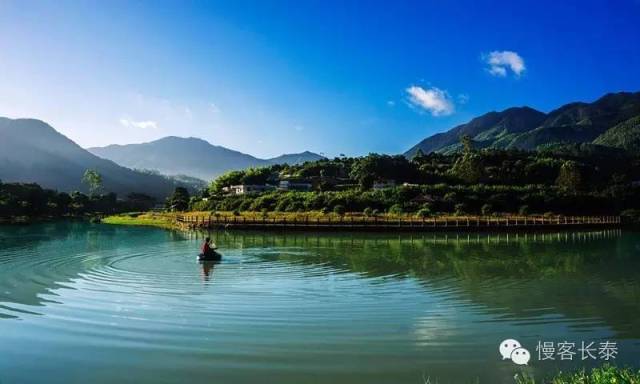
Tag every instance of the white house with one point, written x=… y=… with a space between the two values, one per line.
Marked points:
x=247 y=188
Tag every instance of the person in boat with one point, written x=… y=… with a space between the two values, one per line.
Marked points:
x=208 y=248
x=208 y=251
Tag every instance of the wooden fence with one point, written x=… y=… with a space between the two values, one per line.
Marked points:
x=389 y=223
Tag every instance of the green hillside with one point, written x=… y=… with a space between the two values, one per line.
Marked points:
x=625 y=135
x=526 y=128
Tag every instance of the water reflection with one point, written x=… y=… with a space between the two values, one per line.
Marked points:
x=339 y=307
x=592 y=278
x=207 y=269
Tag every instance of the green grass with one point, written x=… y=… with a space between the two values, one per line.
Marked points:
x=607 y=374
x=143 y=219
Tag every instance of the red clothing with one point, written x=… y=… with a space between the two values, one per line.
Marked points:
x=206 y=248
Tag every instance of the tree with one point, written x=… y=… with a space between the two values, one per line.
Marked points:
x=419 y=157
x=368 y=169
x=468 y=167
x=467 y=144
x=179 y=200
x=570 y=177
x=93 y=180
x=256 y=175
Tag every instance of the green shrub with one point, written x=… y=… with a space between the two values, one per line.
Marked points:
x=396 y=209
x=607 y=374
x=524 y=210
x=339 y=210
x=460 y=209
x=295 y=206
x=368 y=212
x=486 y=210
x=423 y=212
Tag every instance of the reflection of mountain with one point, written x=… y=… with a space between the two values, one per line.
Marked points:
x=592 y=277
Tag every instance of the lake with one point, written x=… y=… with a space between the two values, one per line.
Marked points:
x=92 y=303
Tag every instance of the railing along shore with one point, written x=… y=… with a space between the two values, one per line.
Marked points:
x=391 y=223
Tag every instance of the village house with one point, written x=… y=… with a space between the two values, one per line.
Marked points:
x=243 y=189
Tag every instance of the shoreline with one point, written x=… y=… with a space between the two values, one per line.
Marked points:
x=329 y=223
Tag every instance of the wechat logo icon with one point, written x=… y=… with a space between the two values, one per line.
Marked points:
x=511 y=349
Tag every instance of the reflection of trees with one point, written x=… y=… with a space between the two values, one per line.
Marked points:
x=587 y=275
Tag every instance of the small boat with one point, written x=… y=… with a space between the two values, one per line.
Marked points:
x=210 y=256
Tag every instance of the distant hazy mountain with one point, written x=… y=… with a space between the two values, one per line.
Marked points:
x=296 y=158
x=526 y=128
x=188 y=156
x=32 y=151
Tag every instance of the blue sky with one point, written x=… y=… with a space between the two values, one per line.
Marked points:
x=267 y=77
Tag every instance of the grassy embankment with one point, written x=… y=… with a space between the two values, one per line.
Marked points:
x=150 y=219
x=606 y=374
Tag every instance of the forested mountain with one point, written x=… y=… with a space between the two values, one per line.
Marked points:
x=189 y=156
x=526 y=128
x=33 y=151
x=625 y=135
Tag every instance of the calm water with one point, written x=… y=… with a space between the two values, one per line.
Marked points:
x=83 y=303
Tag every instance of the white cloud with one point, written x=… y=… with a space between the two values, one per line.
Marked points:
x=433 y=100
x=501 y=61
x=127 y=123
x=391 y=103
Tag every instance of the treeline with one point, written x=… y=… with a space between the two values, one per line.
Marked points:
x=564 y=179
x=21 y=200
x=428 y=200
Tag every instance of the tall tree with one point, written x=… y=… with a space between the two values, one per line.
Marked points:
x=179 y=200
x=93 y=180
x=468 y=167
x=570 y=177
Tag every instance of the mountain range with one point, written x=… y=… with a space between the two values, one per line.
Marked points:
x=32 y=151
x=612 y=120
x=190 y=156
